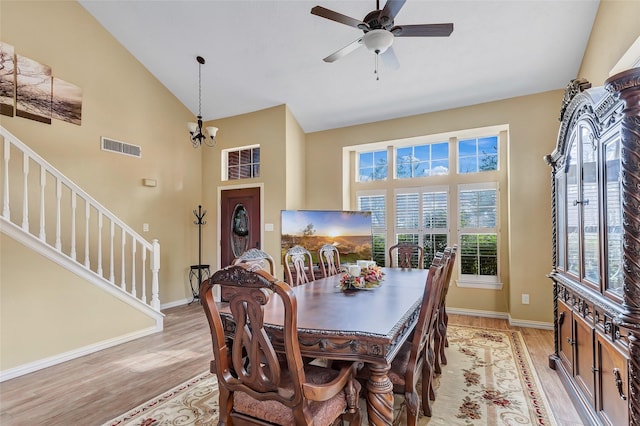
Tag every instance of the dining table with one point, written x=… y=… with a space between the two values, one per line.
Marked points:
x=366 y=325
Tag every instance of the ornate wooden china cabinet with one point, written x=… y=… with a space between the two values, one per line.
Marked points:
x=596 y=241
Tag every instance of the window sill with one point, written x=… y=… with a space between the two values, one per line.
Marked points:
x=487 y=285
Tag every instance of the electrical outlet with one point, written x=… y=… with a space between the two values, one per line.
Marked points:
x=145 y=227
x=525 y=299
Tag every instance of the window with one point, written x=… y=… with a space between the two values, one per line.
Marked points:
x=421 y=218
x=243 y=163
x=478 y=155
x=422 y=160
x=376 y=204
x=478 y=234
x=438 y=190
x=372 y=166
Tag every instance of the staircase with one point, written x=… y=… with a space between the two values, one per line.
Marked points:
x=47 y=212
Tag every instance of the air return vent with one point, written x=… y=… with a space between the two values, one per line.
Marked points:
x=120 y=147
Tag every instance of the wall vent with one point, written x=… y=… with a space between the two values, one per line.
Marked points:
x=120 y=147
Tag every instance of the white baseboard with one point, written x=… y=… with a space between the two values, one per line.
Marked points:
x=76 y=353
x=478 y=313
x=175 y=303
x=501 y=315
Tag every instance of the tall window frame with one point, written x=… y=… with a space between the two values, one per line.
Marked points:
x=375 y=201
x=479 y=239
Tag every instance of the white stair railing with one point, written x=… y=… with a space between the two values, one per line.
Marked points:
x=71 y=222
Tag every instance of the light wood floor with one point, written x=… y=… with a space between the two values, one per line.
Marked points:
x=96 y=388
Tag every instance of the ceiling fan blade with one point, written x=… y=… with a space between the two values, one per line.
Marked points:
x=344 y=51
x=390 y=59
x=338 y=17
x=423 y=30
x=391 y=9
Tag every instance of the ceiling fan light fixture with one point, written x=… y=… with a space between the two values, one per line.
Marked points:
x=378 y=41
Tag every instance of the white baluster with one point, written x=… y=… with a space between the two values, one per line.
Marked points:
x=58 y=214
x=123 y=283
x=6 y=213
x=25 y=192
x=155 y=267
x=144 y=275
x=99 y=269
x=87 y=216
x=112 y=276
x=133 y=266
x=43 y=184
x=74 y=204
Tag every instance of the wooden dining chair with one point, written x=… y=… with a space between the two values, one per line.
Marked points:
x=298 y=266
x=256 y=385
x=414 y=360
x=406 y=255
x=257 y=258
x=329 y=258
x=440 y=337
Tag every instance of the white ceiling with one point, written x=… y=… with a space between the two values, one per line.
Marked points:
x=263 y=53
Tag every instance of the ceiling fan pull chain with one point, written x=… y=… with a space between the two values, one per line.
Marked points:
x=375 y=71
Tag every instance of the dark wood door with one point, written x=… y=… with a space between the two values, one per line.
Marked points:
x=239 y=223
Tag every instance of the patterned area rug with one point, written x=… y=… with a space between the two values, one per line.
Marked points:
x=489 y=380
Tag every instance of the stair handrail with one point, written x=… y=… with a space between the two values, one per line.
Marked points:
x=153 y=247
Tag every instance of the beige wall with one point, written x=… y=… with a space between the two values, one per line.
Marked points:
x=38 y=323
x=616 y=27
x=123 y=101
x=268 y=128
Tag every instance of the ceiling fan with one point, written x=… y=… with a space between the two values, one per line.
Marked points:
x=380 y=30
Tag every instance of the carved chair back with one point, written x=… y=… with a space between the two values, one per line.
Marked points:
x=256 y=258
x=298 y=266
x=251 y=376
x=408 y=255
x=329 y=257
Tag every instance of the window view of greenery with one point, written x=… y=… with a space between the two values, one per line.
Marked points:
x=478 y=239
x=478 y=155
x=376 y=205
x=435 y=212
x=243 y=164
x=372 y=166
x=422 y=160
x=479 y=254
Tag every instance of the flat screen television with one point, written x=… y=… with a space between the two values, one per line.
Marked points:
x=349 y=231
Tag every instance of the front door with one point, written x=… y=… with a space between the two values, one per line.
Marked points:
x=240 y=223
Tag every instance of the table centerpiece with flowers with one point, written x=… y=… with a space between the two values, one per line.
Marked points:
x=358 y=277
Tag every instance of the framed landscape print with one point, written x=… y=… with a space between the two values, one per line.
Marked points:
x=66 y=104
x=7 y=79
x=33 y=90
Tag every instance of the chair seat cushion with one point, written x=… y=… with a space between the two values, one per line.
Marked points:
x=322 y=412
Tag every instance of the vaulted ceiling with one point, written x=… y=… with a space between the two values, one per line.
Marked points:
x=262 y=53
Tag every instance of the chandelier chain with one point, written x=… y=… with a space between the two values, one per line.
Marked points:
x=199 y=89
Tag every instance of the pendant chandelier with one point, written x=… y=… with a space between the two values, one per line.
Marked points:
x=199 y=135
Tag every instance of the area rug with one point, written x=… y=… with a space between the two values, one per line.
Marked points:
x=489 y=380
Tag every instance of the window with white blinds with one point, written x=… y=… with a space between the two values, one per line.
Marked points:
x=478 y=233
x=375 y=203
x=422 y=218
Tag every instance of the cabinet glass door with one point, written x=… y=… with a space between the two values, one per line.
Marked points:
x=613 y=194
x=573 y=230
x=589 y=203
